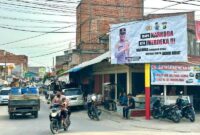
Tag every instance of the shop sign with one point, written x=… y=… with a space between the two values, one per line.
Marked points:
x=175 y=75
x=64 y=78
x=197 y=24
x=150 y=41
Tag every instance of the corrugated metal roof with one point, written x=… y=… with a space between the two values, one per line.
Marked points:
x=90 y=62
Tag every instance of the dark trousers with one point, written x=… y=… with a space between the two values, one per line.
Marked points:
x=125 y=111
x=110 y=105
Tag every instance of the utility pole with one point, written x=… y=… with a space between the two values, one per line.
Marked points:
x=53 y=69
x=5 y=65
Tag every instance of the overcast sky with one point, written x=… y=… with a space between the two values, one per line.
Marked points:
x=15 y=15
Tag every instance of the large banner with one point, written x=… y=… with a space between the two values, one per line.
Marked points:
x=175 y=75
x=197 y=25
x=155 y=40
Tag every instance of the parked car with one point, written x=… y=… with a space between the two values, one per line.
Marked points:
x=75 y=96
x=4 y=95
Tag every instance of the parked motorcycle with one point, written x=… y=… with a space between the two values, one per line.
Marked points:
x=56 y=122
x=93 y=111
x=170 y=112
x=187 y=109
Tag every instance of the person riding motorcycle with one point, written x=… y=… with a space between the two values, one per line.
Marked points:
x=180 y=100
x=64 y=103
x=64 y=109
x=57 y=98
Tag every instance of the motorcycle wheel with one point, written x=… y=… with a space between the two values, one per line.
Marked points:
x=155 y=115
x=96 y=113
x=191 y=116
x=68 y=122
x=175 y=117
x=54 y=127
x=90 y=115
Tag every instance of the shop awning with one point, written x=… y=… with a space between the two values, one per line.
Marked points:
x=90 y=62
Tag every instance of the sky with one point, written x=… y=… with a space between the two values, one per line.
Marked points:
x=22 y=19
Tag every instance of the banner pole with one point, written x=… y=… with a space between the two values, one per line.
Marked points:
x=147 y=92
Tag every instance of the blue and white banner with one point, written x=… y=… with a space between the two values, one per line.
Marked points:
x=156 y=40
x=175 y=75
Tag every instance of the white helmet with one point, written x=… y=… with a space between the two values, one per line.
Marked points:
x=94 y=98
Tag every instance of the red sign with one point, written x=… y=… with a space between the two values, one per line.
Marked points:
x=197 y=31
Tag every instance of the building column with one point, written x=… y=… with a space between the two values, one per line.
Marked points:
x=165 y=94
x=147 y=91
x=102 y=85
x=116 y=87
x=129 y=80
x=185 y=90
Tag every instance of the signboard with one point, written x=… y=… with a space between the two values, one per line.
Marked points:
x=175 y=75
x=197 y=25
x=42 y=71
x=155 y=40
x=64 y=78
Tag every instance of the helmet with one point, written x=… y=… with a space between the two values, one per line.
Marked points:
x=94 y=98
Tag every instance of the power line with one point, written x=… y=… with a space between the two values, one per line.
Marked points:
x=34 y=7
x=165 y=7
x=16 y=29
x=31 y=12
x=42 y=4
x=30 y=26
x=46 y=54
x=45 y=44
x=33 y=20
x=28 y=38
x=182 y=2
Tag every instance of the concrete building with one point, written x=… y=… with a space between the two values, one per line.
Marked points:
x=93 y=19
x=19 y=63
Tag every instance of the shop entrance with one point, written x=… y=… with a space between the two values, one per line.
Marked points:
x=138 y=83
x=121 y=83
x=195 y=92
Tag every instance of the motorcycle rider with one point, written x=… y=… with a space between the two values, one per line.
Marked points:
x=65 y=113
x=93 y=106
x=179 y=100
x=63 y=102
x=57 y=98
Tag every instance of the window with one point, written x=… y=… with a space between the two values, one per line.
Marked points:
x=71 y=92
x=104 y=39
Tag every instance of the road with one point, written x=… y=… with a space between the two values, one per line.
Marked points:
x=81 y=125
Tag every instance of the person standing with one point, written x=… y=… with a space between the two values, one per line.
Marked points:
x=122 y=47
x=131 y=105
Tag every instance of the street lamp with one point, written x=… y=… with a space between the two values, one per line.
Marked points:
x=5 y=65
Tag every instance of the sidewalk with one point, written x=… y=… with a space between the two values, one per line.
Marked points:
x=185 y=126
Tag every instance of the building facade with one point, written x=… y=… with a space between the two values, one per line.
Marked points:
x=19 y=63
x=93 y=20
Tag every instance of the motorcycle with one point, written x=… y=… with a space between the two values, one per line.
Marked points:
x=56 y=121
x=93 y=111
x=187 y=109
x=170 y=112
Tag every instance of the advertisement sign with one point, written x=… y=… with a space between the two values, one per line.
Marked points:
x=150 y=41
x=197 y=25
x=64 y=78
x=175 y=75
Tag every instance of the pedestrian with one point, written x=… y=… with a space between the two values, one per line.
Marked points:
x=131 y=105
x=123 y=99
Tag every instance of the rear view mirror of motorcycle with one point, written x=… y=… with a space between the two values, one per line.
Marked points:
x=162 y=94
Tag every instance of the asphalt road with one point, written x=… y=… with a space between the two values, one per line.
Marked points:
x=82 y=125
x=30 y=126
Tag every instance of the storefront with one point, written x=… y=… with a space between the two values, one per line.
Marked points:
x=173 y=78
